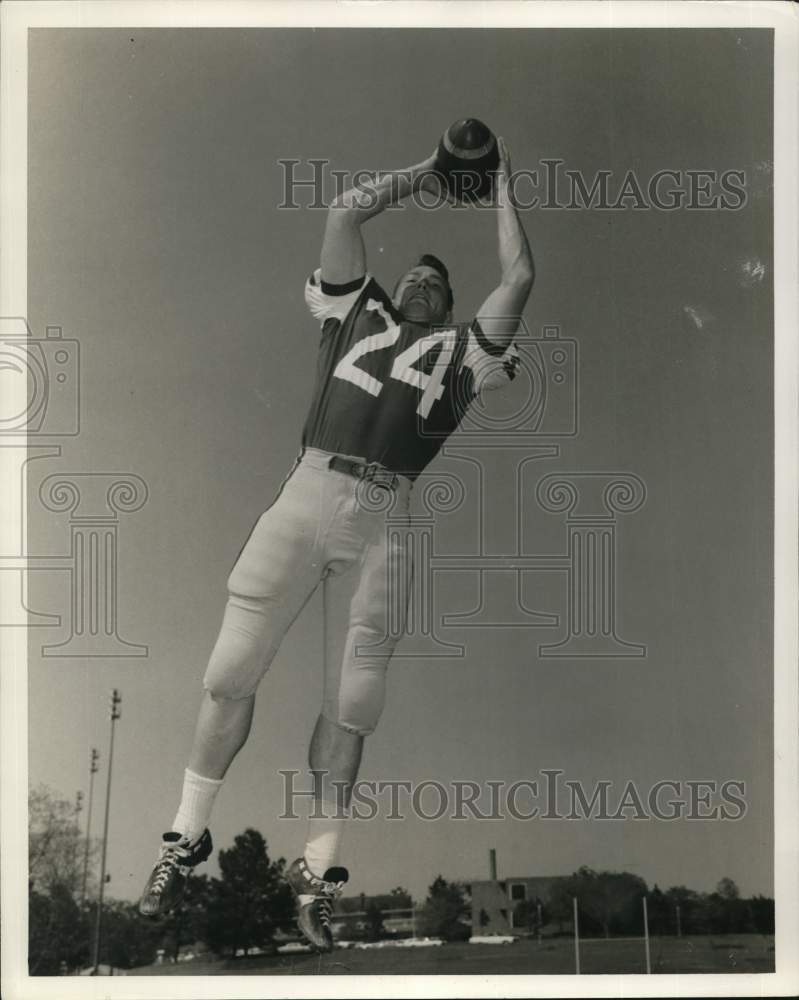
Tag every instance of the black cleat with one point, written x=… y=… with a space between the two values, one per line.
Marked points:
x=167 y=882
x=315 y=901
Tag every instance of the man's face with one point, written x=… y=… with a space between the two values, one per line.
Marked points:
x=422 y=296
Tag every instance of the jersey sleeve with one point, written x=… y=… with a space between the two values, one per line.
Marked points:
x=491 y=367
x=328 y=301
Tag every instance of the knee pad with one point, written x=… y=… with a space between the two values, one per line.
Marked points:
x=359 y=698
x=242 y=653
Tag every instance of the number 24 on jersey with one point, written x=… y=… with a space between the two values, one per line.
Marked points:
x=404 y=368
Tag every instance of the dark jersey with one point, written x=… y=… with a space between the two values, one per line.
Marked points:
x=389 y=390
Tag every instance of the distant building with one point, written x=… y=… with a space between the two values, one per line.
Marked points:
x=494 y=901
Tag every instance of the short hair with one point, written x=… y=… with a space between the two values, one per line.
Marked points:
x=430 y=260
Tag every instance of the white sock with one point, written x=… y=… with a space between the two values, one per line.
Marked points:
x=196 y=804
x=324 y=839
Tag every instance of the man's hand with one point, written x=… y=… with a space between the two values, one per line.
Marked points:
x=388 y=187
x=501 y=189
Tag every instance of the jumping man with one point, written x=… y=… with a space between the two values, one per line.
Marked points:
x=395 y=377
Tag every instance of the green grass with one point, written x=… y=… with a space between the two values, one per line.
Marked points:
x=712 y=954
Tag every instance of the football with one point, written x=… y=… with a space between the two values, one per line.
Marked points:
x=467 y=156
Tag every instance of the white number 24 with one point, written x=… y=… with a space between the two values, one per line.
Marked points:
x=403 y=369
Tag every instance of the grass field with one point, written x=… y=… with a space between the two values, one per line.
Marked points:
x=732 y=953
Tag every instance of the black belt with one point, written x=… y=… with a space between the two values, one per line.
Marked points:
x=372 y=471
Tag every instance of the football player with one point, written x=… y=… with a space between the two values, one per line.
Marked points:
x=395 y=376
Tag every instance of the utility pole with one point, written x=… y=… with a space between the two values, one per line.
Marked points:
x=78 y=810
x=576 y=936
x=116 y=701
x=94 y=758
x=679 y=922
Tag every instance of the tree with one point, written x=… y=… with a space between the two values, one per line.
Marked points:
x=660 y=913
x=250 y=901
x=128 y=940
x=400 y=897
x=58 y=931
x=559 y=903
x=525 y=914
x=443 y=910
x=726 y=912
x=762 y=913
x=727 y=889
x=55 y=845
x=374 y=922
x=188 y=922
x=692 y=917
x=607 y=901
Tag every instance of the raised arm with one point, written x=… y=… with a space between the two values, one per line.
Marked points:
x=499 y=315
x=343 y=251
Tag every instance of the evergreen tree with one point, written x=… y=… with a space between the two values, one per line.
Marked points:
x=251 y=900
x=445 y=906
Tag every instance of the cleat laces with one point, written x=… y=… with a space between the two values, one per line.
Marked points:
x=170 y=860
x=328 y=891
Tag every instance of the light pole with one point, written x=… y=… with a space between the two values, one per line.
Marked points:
x=116 y=701
x=78 y=811
x=94 y=758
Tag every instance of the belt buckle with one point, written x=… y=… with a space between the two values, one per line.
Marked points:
x=376 y=474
